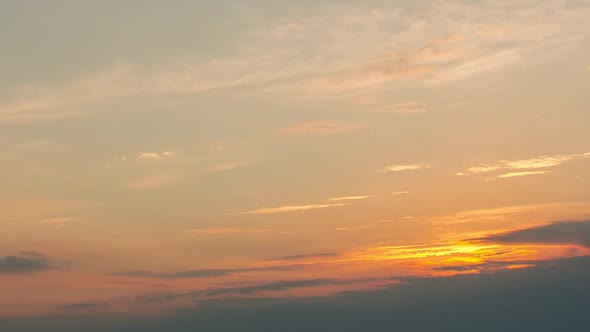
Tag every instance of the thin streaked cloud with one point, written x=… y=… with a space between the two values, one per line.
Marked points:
x=397 y=193
x=353 y=228
x=226 y=231
x=223 y=167
x=58 y=222
x=541 y=162
x=42 y=144
x=519 y=174
x=319 y=128
x=154 y=181
x=349 y=198
x=409 y=107
x=522 y=165
x=291 y=208
x=402 y=168
x=535 y=212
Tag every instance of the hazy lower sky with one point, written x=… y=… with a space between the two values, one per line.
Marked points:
x=160 y=156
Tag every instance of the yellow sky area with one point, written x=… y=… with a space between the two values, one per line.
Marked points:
x=92 y=250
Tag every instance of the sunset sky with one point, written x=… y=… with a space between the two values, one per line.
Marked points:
x=341 y=165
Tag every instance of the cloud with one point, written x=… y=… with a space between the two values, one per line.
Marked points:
x=397 y=193
x=401 y=168
x=290 y=208
x=226 y=231
x=25 y=263
x=154 y=181
x=57 y=222
x=349 y=198
x=532 y=164
x=518 y=174
x=319 y=128
x=541 y=162
x=35 y=210
x=353 y=228
x=315 y=56
x=405 y=108
x=383 y=221
x=575 y=232
x=223 y=167
x=487 y=267
x=148 y=155
x=82 y=306
x=274 y=286
x=303 y=257
x=42 y=144
x=203 y=273
x=480 y=169
x=156 y=155
x=518 y=213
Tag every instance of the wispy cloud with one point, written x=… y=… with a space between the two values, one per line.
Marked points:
x=42 y=144
x=291 y=208
x=401 y=168
x=36 y=210
x=480 y=169
x=541 y=162
x=154 y=181
x=518 y=174
x=458 y=41
x=409 y=107
x=524 y=164
x=228 y=166
x=349 y=198
x=226 y=231
x=353 y=228
x=319 y=128
x=520 y=213
x=396 y=193
x=305 y=257
x=58 y=222
x=156 y=155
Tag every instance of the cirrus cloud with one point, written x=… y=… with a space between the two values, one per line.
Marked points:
x=290 y=208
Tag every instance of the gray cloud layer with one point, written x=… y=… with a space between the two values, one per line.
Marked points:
x=550 y=297
x=25 y=262
x=574 y=232
x=204 y=273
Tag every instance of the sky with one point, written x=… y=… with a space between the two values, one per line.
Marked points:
x=311 y=165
